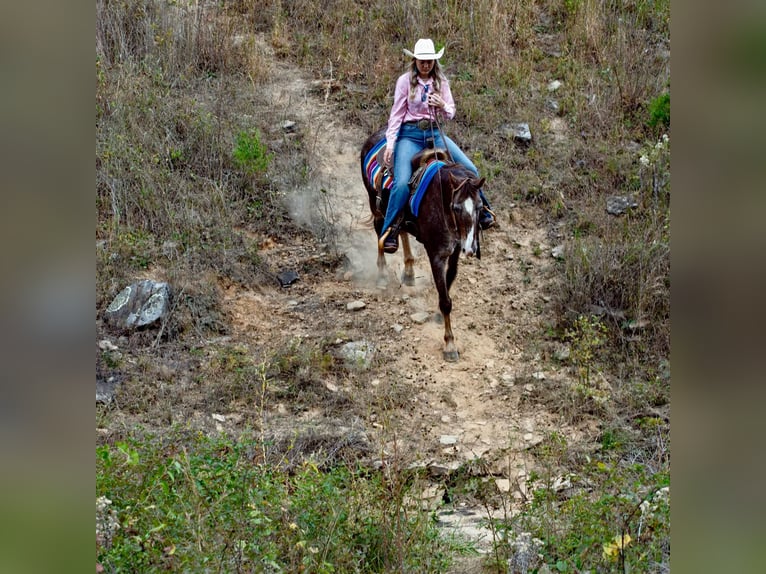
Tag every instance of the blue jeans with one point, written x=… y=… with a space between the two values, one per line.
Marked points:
x=410 y=141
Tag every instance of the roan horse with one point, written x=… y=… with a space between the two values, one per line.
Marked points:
x=447 y=222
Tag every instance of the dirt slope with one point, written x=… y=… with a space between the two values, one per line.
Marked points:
x=438 y=414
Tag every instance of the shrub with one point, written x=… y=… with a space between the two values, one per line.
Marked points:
x=193 y=503
x=659 y=112
x=250 y=155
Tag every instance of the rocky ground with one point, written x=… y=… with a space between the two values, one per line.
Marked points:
x=402 y=397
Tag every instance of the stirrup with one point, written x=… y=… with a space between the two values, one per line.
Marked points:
x=389 y=241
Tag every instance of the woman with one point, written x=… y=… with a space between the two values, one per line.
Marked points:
x=421 y=93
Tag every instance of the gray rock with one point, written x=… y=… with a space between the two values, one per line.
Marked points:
x=106 y=389
x=517 y=132
x=287 y=277
x=420 y=317
x=619 y=204
x=358 y=353
x=139 y=305
x=558 y=252
x=288 y=126
x=562 y=353
x=356 y=305
x=554 y=85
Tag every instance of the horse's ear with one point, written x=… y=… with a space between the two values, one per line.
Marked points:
x=480 y=183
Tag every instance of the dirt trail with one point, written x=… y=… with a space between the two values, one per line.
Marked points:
x=454 y=412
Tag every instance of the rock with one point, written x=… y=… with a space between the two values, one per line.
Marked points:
x=397 y=328
x=619 y=204
x=539 y=375
x=447 y=439
x=554 y=85
x=288 y=126
x=562 y=353
x=420 y=317
x=107 y=345
x=106 y=389
x=558 y=252
x=358 y=353
x=517 y=132
x=139 y=305
x=287 y=277
x=218 y=418
x=356 y=305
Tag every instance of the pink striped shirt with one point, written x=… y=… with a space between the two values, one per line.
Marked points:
x=405 y=109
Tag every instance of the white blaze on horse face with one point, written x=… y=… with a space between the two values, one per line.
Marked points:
x=469 y=244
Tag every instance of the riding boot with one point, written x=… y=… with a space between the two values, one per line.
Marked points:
x=391 y=241
x=487 y=216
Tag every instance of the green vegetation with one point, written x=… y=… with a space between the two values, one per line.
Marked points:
x=185 y=502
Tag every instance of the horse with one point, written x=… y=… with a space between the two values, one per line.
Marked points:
x=447 y=222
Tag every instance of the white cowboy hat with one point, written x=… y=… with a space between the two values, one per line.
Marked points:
x=424 y=50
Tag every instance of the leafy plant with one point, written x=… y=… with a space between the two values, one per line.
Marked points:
x=659 y=112
x=250 y=154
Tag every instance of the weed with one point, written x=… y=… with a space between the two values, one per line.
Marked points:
x=250 y=154
x=659 y=112
x=587 y=335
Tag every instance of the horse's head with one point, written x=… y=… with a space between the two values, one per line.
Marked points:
x=466 y=206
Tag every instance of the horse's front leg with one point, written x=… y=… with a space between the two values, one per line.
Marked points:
x=408 y=275
x=439 y=270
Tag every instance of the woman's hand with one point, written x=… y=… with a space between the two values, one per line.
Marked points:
x=436 y=101
x=388 y=156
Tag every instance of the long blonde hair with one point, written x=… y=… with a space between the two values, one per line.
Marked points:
x=436 y=74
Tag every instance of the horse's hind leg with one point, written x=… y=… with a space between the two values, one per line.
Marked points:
x=408 y=275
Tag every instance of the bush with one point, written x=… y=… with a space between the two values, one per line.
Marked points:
x=659 y=112
x=191 y=503
x=250 y=155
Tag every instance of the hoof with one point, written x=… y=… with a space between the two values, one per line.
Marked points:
x=408 y=280
x=451 y=356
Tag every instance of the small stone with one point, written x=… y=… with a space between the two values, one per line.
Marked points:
x=420 y=317
x=107 y=345
x=539 y=375
x=375 y=382
x=397 y=328
x=447 y=439
x=619 y=204
x=445 y=419
x=287 y=277
x=288 y=126
x=503 y=484
x=332 y=387
x=562 y=353
x=558 y=252
x=356 y=305
x=219 y=418
x=554 y=85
